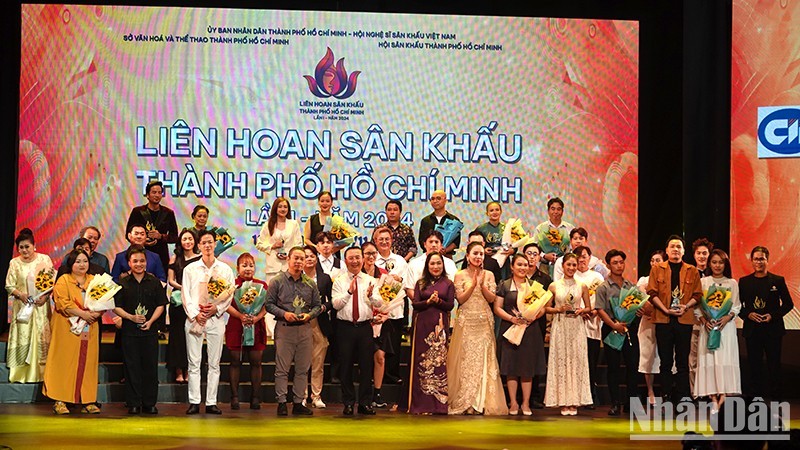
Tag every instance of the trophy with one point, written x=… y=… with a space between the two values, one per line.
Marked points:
x=282 y=250
x=140 y=311
x=676 y=299
x=571 y=302
x=299 y=305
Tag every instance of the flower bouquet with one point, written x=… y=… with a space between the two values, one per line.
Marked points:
x=552 y=240
x=625 y=307
x=343 y=233
x=224 y=240
x=390 y=296
x=715 y=304
x=215 y=291
x=450 y=230
x=249 y=298
x=100 y=293
x=99 y=296
x=176 y=297
x=514 y=236
x=531 y=299
x=40 y=282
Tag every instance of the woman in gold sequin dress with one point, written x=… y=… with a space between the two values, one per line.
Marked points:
x=473 y=375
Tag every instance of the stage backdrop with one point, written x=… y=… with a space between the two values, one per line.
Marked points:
x=232 y=108
x=765 y=153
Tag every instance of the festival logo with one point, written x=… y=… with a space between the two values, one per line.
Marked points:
x=778 y=135
x=331 y=80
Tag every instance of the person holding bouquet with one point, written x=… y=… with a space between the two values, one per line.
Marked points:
x=207 y=289
x=30 y=277
x=245 y=331
x=492 y=231
x=316 y=222
x=519 y=363
x=70 y=375
x=387 y=352
x=140 y=303
x=629 y=352
x=568 y=384
x=718 y=371
x=438 y=217
x=473 y=376
x=553 y=234
x=434 y=297
x=185 y=254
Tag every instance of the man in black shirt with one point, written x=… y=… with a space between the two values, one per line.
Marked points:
x=765 y=300
x=140 y=303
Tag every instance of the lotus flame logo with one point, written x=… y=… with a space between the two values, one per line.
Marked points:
x=330 y=80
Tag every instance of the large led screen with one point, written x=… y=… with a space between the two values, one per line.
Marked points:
x=233 y=108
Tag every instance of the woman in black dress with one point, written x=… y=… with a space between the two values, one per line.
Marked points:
x=519 y=363
x=186 y=252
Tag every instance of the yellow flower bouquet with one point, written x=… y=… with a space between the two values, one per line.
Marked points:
x=531 y=300
x=100 y=293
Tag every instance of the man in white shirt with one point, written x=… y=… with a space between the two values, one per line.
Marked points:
x=578 y=237
x=392 y=332
x=207 y=315
x=351 y=298
x=432 y=244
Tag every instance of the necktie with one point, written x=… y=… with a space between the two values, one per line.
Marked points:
x=355 y=301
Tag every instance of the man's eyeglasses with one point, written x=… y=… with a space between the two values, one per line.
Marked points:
x=534 y=254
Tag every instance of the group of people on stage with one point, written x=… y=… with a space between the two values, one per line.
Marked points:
x=313 y=297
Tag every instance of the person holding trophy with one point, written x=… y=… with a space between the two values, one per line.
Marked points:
x=293 y=298
x=674 y=289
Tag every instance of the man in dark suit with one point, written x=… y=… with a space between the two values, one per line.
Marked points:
x=765 y=300
x=321 y=330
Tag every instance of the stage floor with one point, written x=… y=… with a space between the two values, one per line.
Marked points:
x=33 y=426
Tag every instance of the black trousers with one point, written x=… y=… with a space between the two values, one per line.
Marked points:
x=759 y=343
x=593 y=356
x=629 y=355
x=140 y=355
x=674 y=341
x=392 y=367
x=355 y=344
